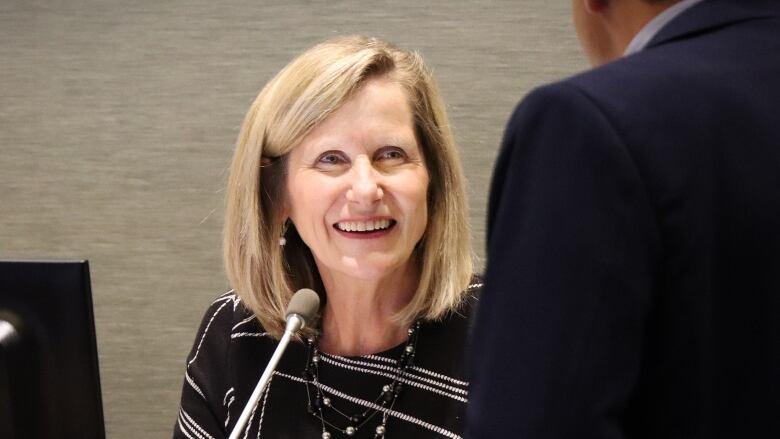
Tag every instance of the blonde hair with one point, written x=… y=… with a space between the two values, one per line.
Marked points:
x=311 y=87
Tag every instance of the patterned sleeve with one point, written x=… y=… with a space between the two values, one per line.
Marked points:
x=206 y=392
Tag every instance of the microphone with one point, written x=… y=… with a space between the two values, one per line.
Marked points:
x=302 y=309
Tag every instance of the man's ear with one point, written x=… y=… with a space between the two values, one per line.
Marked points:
x=595 y=6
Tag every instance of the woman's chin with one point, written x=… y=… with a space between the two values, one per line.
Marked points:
x=373 y=269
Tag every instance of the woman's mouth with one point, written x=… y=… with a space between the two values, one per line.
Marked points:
x=370 y=228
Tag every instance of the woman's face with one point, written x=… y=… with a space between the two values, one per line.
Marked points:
x=357 y=185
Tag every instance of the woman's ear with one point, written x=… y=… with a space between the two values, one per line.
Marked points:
x=284 y=210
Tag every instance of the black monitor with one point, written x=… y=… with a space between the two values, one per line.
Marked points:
x=49 y=382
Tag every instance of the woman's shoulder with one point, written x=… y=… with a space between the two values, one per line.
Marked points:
x=210 y=370
x=443 y=342
x=225 y=317
x=460 y=315
x=470 y=298
x=228 y=313
x=224 y=311
x=475 y=287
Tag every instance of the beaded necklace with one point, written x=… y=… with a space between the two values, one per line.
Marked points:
x=388 y=395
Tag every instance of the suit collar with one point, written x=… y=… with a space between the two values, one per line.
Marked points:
x=655 y=25
x=711 y=14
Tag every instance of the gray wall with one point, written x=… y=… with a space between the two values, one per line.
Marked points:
x=117 y=120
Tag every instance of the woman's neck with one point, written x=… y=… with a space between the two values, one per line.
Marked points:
x=358 y=315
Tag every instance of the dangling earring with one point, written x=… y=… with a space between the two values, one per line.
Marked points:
x=282 y=239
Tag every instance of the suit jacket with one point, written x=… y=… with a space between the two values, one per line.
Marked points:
x=633 y=274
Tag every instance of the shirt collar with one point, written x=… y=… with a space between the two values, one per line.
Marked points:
x=655 y=25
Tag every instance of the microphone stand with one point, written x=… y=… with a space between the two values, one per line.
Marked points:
x=294 y=324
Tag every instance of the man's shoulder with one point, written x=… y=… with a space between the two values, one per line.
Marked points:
x=622 y=90
x=638 y=74
x=594 y=84
x=694 y=62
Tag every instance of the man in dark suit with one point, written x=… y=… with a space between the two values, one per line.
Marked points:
x=633 y=275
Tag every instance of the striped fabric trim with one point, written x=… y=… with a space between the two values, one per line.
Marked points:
x=185 y=420
x=224 y=399
x=227 y=410
x=379 y=359
x=182 y=429
x=230 y=292
x=474 y=286
x=249 y=422
x=206 y=331
x=440 y=376
x=374 y=406
x=262 y=409
x=227 y=403
x=248 y=334
x=244 y=322
x=419 y=369
x=236 y=302
x=192 y=384
x=389 y=372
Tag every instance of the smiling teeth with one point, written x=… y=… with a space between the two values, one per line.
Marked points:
x=363 y=226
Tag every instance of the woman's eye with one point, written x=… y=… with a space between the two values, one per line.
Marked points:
x=330 y=158
x=392 y=153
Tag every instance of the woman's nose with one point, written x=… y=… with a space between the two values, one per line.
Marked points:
x=364 y=187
